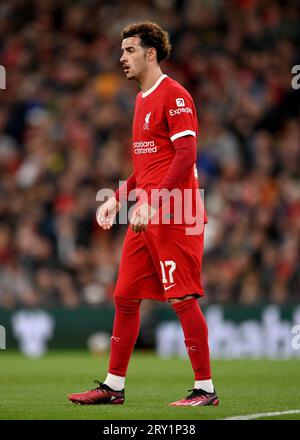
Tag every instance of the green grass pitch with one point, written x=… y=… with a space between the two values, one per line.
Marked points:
x=38 y=389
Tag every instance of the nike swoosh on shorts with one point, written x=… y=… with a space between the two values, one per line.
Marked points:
x=169 y=287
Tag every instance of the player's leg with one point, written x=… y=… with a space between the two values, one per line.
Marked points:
x=125 y=332
x=180 y=258
x=137 y=279
x=195 y=333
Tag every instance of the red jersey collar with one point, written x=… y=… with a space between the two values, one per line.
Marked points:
x=160 y=79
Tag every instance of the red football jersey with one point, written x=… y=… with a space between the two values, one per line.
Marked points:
x=162 y=114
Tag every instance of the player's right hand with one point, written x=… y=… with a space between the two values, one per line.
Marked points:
x=107 y=212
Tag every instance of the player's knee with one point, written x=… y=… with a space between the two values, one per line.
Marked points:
x=178 y=300
x=127 y=305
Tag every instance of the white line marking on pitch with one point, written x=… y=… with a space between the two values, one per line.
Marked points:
x=259 y=415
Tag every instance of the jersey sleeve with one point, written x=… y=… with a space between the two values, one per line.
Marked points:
x=129 y=185
x=180 y=114
x=184 y=159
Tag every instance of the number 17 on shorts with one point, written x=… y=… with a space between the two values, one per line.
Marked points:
x=167 y=269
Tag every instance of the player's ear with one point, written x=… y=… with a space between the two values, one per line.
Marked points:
x=151 y=54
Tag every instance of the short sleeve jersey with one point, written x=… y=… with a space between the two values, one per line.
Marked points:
x=162 y=114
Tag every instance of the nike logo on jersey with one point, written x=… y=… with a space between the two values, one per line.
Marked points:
x=169 y=287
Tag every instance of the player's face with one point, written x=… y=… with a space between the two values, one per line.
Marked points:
x=133 y=58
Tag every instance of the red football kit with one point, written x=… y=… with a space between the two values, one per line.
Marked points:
x=165 y=260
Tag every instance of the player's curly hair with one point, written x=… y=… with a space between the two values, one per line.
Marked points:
x=151 y=35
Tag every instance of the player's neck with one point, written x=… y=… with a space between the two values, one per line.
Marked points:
x=150 y=78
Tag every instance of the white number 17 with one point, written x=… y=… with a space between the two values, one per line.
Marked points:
x=172 y=266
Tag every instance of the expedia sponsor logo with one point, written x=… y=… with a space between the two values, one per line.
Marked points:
x=178 y=111
x=144 y=147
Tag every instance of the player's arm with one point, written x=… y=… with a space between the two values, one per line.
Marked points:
x=184 y=159
x=129 y=185
x=109 y=209
x=182 y=124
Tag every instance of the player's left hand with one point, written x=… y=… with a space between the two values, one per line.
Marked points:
x=141 y=217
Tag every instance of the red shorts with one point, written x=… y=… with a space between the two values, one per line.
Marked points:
x=160 y=263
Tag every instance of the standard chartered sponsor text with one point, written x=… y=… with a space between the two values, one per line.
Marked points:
x=143 y=147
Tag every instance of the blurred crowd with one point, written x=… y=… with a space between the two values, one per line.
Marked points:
x=65 y=129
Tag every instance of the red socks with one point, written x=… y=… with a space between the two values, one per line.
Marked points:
x=125 y=332
x=126 y=329
x=196 y=336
